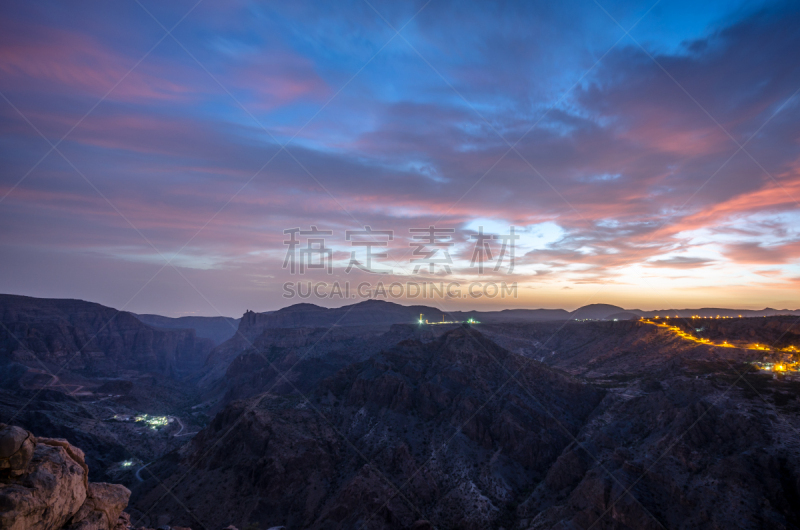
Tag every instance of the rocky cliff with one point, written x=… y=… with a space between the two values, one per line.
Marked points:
x=44 y=485
x=93 y=338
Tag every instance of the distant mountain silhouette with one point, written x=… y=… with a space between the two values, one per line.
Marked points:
x=595 y=311
x=513 y=315
x=218 y=329
x=368 y=312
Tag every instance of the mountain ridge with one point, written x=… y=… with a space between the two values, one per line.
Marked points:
x=92 y=337
x=218 y=329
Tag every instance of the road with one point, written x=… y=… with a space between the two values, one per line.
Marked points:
x=56 y=381
x=182 y=428
x=138 y=476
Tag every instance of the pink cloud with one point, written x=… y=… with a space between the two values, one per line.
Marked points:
x=770 y=197
x=278 y=79
x=757 y=253
x=62 y=60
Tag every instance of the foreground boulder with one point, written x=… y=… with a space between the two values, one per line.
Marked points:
x=44 y=485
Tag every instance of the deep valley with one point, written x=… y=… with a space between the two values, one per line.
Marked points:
x=310 y=418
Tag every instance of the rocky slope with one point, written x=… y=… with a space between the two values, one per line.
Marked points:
x=433 y=433
x=88 y=420
x=94 y=339
x=44 y=485
x=777 y=331
x=441 y=422
x=689 y=447
x=286 y=360
x=311 y=341
x=602 y=349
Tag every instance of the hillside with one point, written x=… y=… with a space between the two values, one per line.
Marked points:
x=391 y=419
x=92 y=338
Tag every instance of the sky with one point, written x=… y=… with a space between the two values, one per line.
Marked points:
x=155 y=157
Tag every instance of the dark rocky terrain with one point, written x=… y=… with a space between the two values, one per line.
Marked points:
x=383 y=423
x=597 y=349
x=285 y=360
x=778 y=331
x=436 y=415
x=87 y=420
x=667 y=435
x=92 y=338
x=67 y=367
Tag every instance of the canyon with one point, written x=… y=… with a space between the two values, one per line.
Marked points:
x=361 y=417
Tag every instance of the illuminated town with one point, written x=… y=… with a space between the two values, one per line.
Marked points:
x=154 y=422
x=778 y=360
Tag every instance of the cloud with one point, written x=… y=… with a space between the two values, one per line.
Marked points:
x=680 y=262
x=276 y=79
x=753 y=252
x=51 y=59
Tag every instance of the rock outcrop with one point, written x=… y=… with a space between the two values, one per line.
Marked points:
x=44 y=485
